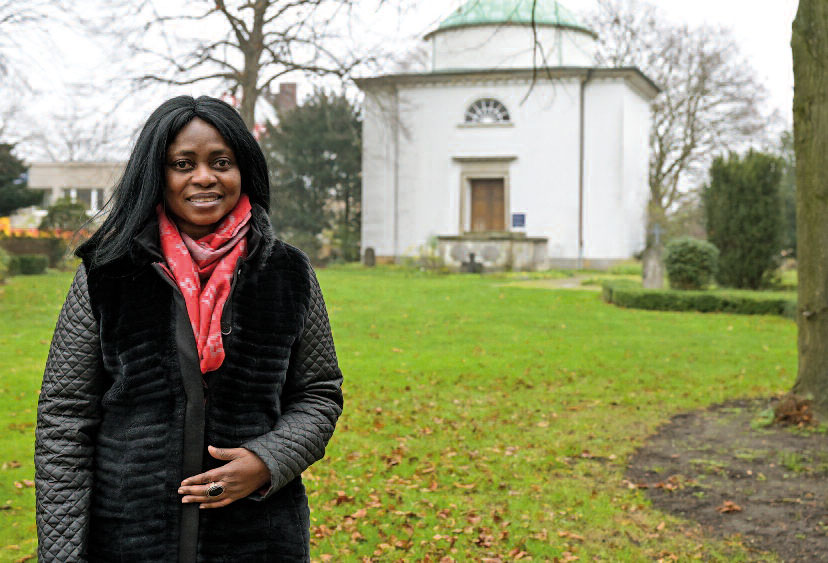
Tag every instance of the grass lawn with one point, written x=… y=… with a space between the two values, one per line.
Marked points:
x=481 y=420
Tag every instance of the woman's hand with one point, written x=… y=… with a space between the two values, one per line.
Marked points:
x=243 y=474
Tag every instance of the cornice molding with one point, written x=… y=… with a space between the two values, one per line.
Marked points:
x=633 y=76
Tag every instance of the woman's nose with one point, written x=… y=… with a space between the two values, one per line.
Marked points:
x=203 y=176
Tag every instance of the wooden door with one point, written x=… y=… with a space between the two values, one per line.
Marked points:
x=487 y=205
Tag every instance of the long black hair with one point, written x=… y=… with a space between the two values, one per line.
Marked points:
x=141 y=187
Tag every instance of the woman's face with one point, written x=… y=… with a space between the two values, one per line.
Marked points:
x=203 y=181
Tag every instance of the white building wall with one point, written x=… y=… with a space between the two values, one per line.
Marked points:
x=542 y=140
x=637 y=117
x=617 y=126
x=510 y=46
x=378 y=172
x=603 y=170
x=543 y=177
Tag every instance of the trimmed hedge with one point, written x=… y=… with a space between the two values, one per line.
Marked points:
x=28 y=264
x=5 y=264
x=53 y=247
x=631 y=296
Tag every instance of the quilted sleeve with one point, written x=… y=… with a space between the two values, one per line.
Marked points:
x=311 y=402
x=67 y=419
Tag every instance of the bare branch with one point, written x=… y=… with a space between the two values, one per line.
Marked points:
x=709 y=100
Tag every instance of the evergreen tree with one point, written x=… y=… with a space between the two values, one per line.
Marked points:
x=787 y=191
x=744 y=217
x=13 y=191
x=315 y=161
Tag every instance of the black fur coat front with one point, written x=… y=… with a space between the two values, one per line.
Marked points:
x=125 y=414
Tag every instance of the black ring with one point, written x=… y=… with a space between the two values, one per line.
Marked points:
x=215 y=490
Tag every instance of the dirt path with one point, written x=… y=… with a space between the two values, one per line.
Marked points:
x=770 y=485
x=557 y=283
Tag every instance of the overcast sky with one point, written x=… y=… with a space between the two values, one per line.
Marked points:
x=761 y=28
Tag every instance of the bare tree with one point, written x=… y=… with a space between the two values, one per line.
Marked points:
x=710 y=98
x=245 y=45
x=77 y=135
x=19 y=25
x=810 y=51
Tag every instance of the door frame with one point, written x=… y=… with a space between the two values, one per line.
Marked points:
x=482 y=168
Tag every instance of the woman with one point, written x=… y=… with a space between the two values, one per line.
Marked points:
x=192 y=375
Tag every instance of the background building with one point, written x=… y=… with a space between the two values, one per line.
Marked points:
x=514 y=146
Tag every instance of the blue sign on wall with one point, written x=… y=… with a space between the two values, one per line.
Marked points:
x=518 y=219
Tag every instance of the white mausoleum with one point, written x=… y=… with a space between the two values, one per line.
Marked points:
x=514 y=146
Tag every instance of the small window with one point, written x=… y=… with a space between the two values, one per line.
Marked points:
x=487 y=111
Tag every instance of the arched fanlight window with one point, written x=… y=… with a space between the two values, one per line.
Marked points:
x=487 y=110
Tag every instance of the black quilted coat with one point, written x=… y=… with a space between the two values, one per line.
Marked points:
x=125 y=414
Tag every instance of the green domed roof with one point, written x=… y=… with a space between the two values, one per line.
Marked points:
x=494 y=12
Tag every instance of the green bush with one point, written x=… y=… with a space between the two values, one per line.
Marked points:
x=5 y=262
x=742 y=303
x=65 y=214
x=691 y=263
x=28 y=264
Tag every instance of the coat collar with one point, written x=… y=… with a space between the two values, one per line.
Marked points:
x=147 y=243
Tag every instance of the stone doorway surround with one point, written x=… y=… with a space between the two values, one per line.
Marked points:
x=482 y=168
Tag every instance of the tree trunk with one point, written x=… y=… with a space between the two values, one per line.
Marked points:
x=810 y=56
x=249 y=88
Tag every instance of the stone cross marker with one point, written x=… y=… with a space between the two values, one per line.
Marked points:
x=652 y=263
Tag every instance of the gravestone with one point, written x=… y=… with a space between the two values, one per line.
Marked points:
x=472 y=267
x=652 y=262
x=653 y=267
x=370 y=258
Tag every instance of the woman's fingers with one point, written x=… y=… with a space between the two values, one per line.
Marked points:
x=203 y=478
x=202 y=493
x=243 y=474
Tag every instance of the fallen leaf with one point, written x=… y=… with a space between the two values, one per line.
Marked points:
x=342 y=497
x=570 y=535
x=729 y=506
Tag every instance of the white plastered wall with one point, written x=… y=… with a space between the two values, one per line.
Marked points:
x=540 y=148
x=510 y=46
x=378 y=152
x=616 y=162
x=539 y=151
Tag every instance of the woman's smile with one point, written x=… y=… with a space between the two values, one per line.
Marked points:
x=204 y=199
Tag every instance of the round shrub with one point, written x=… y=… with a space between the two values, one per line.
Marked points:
x=690 y=262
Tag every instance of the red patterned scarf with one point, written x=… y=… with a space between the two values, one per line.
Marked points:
x=203 y=270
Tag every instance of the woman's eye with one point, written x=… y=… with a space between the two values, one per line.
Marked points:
x=181 y=164
x=223 y=163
